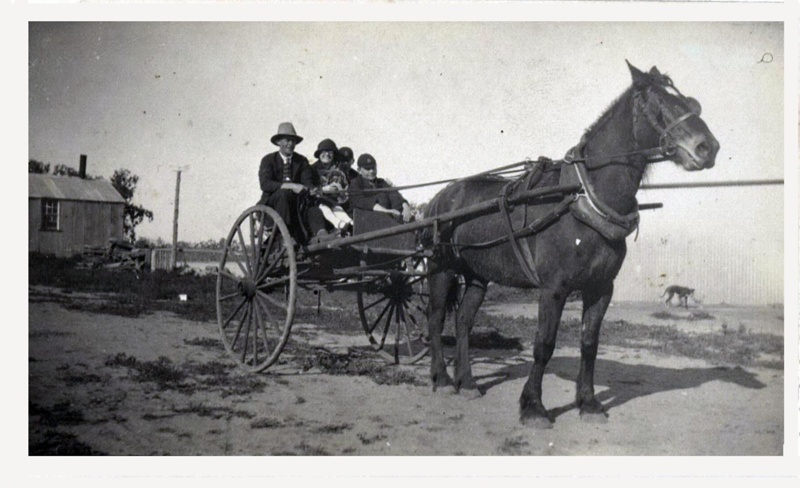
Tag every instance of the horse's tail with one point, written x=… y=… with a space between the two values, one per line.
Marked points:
x=453 y=298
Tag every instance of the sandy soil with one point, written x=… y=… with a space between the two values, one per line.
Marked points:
x=658 y=405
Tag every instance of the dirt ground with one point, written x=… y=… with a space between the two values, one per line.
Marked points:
x=84 y=398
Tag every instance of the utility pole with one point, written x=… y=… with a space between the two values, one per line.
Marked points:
x=174 y=261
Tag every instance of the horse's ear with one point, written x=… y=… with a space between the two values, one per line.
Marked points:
x=636 y=74
x=654 y=72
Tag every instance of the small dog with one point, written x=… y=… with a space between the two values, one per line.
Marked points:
x=683 y=295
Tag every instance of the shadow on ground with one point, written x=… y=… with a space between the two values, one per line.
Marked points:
x=624 y=382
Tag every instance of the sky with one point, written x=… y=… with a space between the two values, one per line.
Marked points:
x=429 y=100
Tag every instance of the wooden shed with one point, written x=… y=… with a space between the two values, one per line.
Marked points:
x=67 y=213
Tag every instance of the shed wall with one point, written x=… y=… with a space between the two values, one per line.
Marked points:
x=81 y=224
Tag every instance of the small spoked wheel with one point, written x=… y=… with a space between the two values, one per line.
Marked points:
x=256 y=289
x=394 y=317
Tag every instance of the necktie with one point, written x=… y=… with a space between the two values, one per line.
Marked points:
x=287 y=170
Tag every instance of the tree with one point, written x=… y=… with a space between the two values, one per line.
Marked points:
x=39 y=167
x=125 y=183
x=64 y=170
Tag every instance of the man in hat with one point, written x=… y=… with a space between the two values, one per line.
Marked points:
x=285 y=178
x=389 y=201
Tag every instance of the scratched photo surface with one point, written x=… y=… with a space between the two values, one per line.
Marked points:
x=139 y=368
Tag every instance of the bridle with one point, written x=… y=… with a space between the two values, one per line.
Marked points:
x=667 y=144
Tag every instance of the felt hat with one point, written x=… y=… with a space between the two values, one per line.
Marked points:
x=366 y=161
x=345 y=154
x=326 y=145
x=286 y=129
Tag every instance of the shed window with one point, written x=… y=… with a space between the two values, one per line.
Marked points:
x=49 y=214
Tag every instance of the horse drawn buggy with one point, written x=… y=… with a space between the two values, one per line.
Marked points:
x=383 y=262
x=559 y=226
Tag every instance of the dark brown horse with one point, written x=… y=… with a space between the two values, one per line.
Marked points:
x=560 y=246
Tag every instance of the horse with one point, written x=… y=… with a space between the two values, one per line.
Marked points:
x=558 y=245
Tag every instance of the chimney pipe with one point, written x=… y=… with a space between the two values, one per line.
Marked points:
x=82 y=169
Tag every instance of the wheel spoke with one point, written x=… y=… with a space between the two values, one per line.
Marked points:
x=228 y=297
x=388 y=325
x=261 y=230
x=225 y=273
x=238 y=262
x=266 y=250
x=271 y=300
x=238 y=330
x=254 y=249
x=246 y=335
x=271 y=319
x=380 y=316
x=230 y=317
x=379 y=300
x=274 y=284
x=255 y=318
x=244 y=251
x=259 y=310
x=269 y=268
x=404 y=324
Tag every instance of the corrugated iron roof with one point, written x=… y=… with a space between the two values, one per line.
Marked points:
x=71 y=188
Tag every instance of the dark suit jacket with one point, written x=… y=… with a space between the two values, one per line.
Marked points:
x=390 y=199
x=270 y=173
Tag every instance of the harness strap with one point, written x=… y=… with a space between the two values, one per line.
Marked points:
x=527 y=267
x=598 y=206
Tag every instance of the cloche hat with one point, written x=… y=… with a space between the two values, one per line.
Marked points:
x=366 y=161
x=326 y=145
x=345 y=154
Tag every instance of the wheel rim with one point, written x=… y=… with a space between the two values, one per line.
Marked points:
x=394 y=318
x=256 y=289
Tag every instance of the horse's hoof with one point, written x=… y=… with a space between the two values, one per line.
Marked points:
x=538 y=423
x=470 y=394
x=594 y=417
x=445 y=389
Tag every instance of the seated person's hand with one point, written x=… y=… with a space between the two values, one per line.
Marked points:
x=408 y=215
x=294 y=187
x=332 y=187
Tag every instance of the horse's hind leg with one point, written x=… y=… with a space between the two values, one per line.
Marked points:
x=474 y=292
x=595 y=304
x=439 y=283
x=551 y=305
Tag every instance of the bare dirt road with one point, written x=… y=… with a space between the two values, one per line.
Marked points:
x=159 y=384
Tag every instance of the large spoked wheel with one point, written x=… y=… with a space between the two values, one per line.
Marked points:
x=394 y=317
x=256 y=289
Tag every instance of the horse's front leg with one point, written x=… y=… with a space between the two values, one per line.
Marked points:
x=595 y=304
x=439 y=283
x=551 y=305
x=474 y=293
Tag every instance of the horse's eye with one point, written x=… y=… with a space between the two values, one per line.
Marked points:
x=660 y=119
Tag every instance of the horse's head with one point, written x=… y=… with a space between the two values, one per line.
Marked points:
x=662 y=113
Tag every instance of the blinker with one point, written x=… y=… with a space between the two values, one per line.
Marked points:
x=694 y=105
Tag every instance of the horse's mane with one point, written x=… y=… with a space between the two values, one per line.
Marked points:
x=658 y=79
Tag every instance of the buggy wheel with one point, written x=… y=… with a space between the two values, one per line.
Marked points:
x=394 y=317
x=256 y=289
